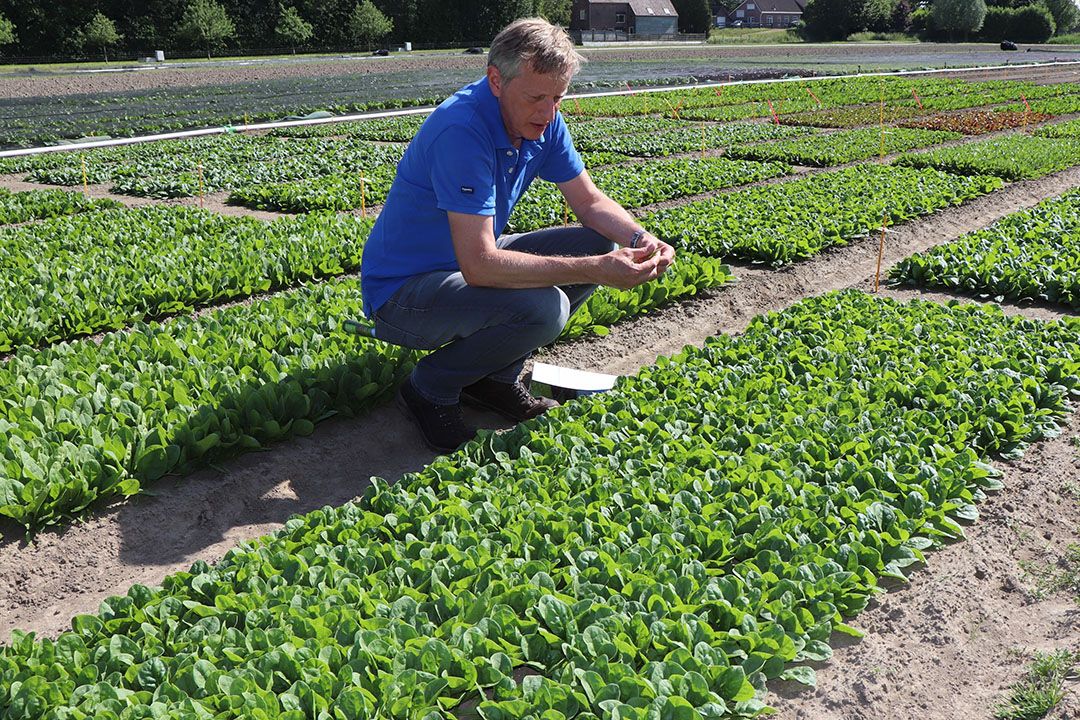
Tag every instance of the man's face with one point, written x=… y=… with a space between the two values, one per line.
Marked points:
x=528 y=102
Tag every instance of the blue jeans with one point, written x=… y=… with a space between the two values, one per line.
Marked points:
x=483 y=332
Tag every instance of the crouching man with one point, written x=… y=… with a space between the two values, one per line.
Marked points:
x=437 y=273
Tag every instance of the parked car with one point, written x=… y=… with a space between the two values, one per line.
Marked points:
x=737 y=23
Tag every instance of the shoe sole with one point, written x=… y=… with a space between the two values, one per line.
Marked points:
x=411 y=417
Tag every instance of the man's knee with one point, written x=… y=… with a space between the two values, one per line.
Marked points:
x=545 y=311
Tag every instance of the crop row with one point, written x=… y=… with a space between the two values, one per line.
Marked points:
x=977 y=122
x=348 y=192
x=1029 y=255
x=851 y=116
x=797 y=219
x=1013 y=157
x=830 y=93
x=1069 y=129
x=661 y=550
x=183 y=169
x=688 y=138
x=77 y=275
x=85 y=420
x=642 y=184
x=20 y=207
x=842 y=147
x=390 y=129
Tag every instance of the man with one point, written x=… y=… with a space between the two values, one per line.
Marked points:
x=437 y=274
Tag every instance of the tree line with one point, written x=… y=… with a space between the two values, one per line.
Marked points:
x=1030 y=21
x=85 y=28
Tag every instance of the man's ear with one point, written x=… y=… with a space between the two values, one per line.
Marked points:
x=495 y=81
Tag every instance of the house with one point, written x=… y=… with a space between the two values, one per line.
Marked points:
x=624 y=17
x=767 y=13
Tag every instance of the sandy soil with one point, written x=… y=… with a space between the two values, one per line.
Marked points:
x=944 y=646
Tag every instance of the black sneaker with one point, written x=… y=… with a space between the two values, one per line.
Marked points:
x=511 y=400
x=442 y=426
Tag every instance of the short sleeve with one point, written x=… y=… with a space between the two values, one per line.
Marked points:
x=462 y=164
x=562 y=162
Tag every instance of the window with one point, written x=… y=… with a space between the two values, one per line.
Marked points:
x=738 y=14
x=749 y=6
x=581 y=15
x=768 y=19
x=620 y=18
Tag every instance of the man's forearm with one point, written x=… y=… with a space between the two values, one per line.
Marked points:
x=610 y=219
x=512 y=269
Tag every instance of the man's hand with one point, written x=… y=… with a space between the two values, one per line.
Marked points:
x=664 y=253
x=628 y=267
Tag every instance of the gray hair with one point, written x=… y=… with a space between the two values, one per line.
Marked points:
x=546 y=48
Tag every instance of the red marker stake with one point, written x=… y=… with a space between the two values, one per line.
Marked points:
x=775 y=117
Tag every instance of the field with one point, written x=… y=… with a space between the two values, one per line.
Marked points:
x=852 y=501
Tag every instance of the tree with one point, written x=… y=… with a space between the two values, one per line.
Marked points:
x=900 y=20
x=832 y=19
x=292 y=29
x=876 y=15
x=951 y=16
x=694 y=15
x=556 y=11
x=100 y=32
x=7 y=31
x=206 y=24
x=367 y=23
x=1066 y=15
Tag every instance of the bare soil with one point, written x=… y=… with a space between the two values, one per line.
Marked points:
x=946 y=645
x=722 y=62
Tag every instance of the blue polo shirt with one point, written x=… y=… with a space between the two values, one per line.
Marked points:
x=461 y=160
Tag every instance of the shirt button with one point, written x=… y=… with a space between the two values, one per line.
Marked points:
x=509 y=153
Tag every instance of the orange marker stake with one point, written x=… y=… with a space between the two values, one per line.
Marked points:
x=719 y=91
x=363 y=196
x=577 y=106
x=816 y=98
x=917 y=98
x=775 y=117
x=201 y=198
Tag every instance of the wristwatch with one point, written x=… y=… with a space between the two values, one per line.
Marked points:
x=638 y=234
